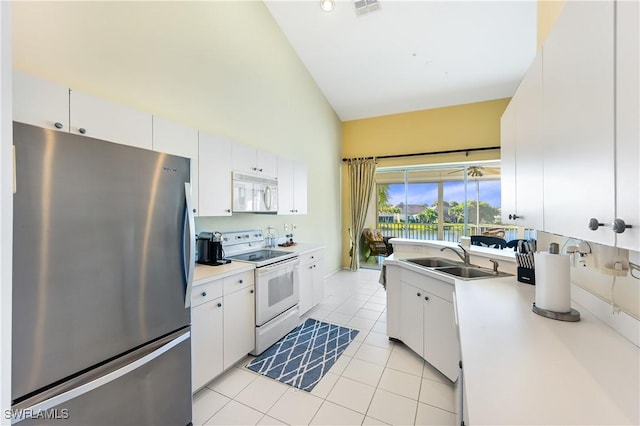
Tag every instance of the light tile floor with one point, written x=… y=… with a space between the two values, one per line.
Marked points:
x=374 y=382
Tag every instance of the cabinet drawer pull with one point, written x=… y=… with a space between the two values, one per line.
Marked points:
x=204 y=294
x=240 y=281
x=619 y=226
x=419 y=294
x=219 y=305
x=82 y=130
x=426 y=298
x=594 y=224
x=58 y=125
x=311 y=267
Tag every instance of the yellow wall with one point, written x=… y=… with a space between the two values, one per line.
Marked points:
x=548 y=12
x=457 y=127
x=474 y=125
x=224 y=67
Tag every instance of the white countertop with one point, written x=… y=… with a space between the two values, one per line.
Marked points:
x=300 y=248
x=205 y=273
x=521 y=368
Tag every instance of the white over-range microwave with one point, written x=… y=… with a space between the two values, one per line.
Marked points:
x=254 y=194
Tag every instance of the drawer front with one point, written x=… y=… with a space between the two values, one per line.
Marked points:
x=431 y=285
x=238 y=282
x=206 y=292
x=310 y=257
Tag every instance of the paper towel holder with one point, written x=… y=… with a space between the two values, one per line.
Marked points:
x=571 y=316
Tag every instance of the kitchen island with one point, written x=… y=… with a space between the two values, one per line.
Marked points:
x=520 y=368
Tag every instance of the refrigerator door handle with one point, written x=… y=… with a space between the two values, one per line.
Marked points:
x=190 y=233
x=86 y=383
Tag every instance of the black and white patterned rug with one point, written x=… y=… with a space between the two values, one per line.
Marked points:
x=303 y=356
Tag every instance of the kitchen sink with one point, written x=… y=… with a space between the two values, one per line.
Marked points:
x=456 y=269
x=468 y=272
x=433 y=262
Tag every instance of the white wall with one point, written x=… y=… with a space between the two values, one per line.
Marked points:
x=622 y=293
x=6 y=213
x=224 y=67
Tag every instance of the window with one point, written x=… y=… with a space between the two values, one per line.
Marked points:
x=442 y=202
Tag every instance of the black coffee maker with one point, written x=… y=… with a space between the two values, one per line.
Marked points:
x=210 y=250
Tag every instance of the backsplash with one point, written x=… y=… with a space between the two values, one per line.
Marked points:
x=603 y=272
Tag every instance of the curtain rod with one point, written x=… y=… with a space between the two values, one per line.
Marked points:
x=417 y=154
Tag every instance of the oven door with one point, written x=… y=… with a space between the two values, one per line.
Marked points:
x=277 y=289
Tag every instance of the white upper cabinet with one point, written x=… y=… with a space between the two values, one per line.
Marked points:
x=102 y=119
x=508 y=161
x=292 y=187
x=45 y=104
x=627 y=123
x=40 y=102
x=252 y=160
x=299 y=187
x=521 y=153
x=578 y=116
x=215 y=175
x=177 y=139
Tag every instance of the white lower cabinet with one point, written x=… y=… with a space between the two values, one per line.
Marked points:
x=206 y=333
x=239 y=325
x=420 y=314
x=311 y=279
x=222 y=326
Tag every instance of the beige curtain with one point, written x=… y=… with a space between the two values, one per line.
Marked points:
x=361 y=175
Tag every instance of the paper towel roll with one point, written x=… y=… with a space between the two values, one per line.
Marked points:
x=553 y=288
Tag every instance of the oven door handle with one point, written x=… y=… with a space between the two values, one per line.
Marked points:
x=280 y=265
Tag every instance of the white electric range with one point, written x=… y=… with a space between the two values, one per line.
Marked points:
x=276 y=284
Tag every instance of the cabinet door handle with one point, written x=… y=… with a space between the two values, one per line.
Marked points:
x=419 y=294
x=228 y=210
x=82 y=130
x=204 y=294
x=58 y=125
x=594 y=224
x=311 y=267
x=240 y=281
x=251 y=291
x=514 y=217
x=426 y=298
x=619 y=226
x=219 y=305
x=259 y=170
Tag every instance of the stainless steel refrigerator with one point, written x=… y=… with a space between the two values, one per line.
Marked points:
x=102 y=266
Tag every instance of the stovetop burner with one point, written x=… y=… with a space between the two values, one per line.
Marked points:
x=260 y=255
x=249 y=246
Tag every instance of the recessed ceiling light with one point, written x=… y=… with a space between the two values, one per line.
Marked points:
x=327 y=5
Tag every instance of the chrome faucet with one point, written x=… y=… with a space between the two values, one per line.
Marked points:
x=464 y=256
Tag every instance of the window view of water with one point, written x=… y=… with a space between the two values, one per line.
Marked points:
x=443 y=204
